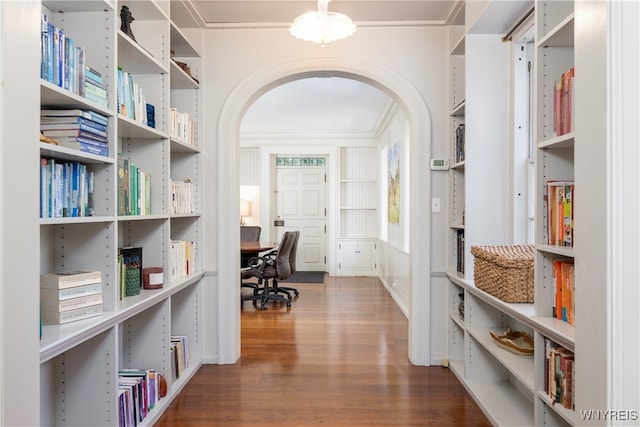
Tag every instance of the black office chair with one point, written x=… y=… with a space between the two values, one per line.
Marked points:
x=268 y=269
x=286 y=289
x=249 y=233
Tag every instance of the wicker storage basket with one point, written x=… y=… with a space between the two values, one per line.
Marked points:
x=505 y=272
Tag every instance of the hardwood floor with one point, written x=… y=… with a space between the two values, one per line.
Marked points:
x=337 y=358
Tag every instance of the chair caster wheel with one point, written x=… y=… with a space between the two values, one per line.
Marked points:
x=288 y=304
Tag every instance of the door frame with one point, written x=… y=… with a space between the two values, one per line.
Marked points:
x=268 y=177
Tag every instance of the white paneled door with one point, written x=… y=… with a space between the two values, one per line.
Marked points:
x=301 y=205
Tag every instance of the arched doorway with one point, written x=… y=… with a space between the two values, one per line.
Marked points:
x=228 y=136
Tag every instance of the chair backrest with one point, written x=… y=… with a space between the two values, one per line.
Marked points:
x=294 y=251
x=250 y=233
x=283 y=257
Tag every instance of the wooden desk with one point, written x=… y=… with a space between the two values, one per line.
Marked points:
x=246 y=247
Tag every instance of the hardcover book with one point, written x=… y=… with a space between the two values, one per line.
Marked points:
x=61 y=317
x=132 y=270
x=53 y=304
x=74 y=292
x=70 y=279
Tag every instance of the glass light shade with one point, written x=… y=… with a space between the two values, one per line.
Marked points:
x=322 y=27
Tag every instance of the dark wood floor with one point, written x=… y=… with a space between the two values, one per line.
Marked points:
x=337 y=358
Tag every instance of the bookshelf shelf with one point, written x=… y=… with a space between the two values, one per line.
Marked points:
x=52 y=95
x=561 y=35
x=180 y=79
x=458 y=110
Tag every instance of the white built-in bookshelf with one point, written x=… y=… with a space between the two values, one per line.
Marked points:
x=513 y=389
x=359 y=211
x=79 y=361
x=505 y=385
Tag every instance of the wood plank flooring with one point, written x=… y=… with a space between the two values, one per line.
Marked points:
x=337 y=358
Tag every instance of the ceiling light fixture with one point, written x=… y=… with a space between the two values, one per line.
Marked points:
x=322 y=26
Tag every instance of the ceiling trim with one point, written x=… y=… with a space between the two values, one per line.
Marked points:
x=385 y=118
x=364 y=24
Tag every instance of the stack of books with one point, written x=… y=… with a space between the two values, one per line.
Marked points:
x=94 y=88
x=82 y=130
x=70 y=296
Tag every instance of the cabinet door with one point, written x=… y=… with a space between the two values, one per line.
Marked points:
x=357 y=257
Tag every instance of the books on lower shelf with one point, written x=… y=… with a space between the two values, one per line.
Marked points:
x=559 y=374
x=181 y=197
x=82 y=130
x=459 y=145
x=560 y=202
x=67 y=189
x=181 y=127
x=563 y=110
x=130 y=268
x=134 y=189
x=69 y=296
x=183 y=254
x=460 y=251
x=564 y=290
x=179 y=349
x=138 y=393
x=132 y=102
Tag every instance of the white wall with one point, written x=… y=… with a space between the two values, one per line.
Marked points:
x=408 y=60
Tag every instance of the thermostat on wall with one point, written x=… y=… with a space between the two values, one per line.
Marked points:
x=439 y=164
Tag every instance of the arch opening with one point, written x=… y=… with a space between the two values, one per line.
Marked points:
x=228 y=134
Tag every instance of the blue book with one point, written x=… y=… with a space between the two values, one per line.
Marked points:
x=94 y=76
x=87 y=114
x=86 y=147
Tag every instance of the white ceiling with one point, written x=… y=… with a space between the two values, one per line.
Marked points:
x=319 y=105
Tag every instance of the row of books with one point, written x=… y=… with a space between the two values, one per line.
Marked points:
x=559 y=374
x=134 y=189
x=182 y=127
x=460 y=251
x=183 y=255
x=132 y=102
x=182 y=197
x=82 y=130
x=563 y=103
x=560 y=199
x=179 y=351
x=139 y=390
x=66 y=189
x=564 y=287
x=70 y=296
x=459 y=144
x=62 y=62
x=130 y=271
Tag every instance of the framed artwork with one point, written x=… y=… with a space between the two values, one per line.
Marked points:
x=393 y=184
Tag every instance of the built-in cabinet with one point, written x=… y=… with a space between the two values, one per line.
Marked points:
x=359 y=196
x=79 y=361
x=514 y=389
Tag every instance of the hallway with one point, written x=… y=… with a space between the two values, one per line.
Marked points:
x=337 y=358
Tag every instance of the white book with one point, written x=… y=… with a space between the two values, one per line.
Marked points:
x=73 y=292
x=50 y=304
x=56 y=317
x=70 y=279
